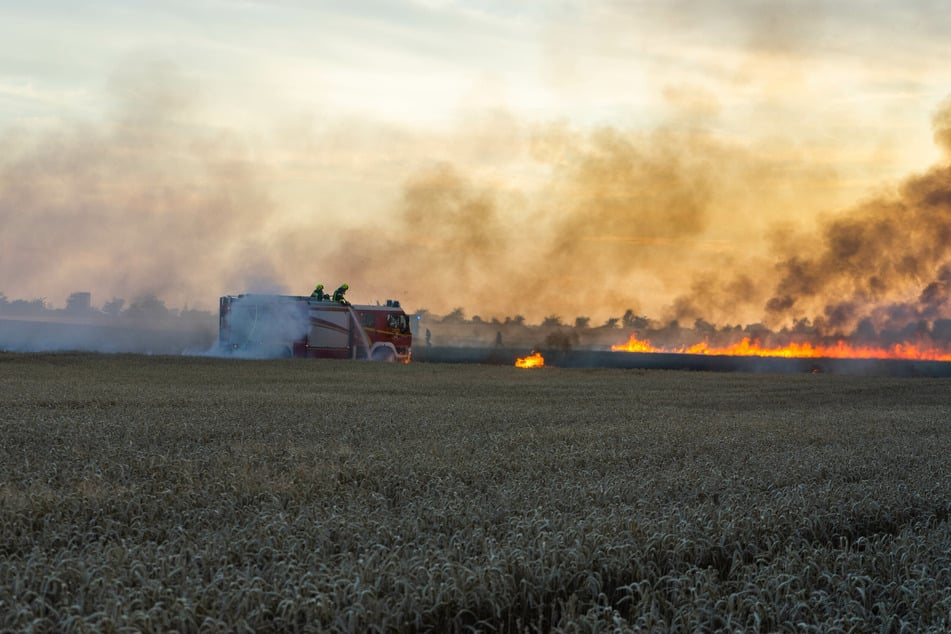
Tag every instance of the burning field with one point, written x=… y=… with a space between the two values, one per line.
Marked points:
x=160 y=493
x=806 y=350
x=622 y=223
x=674 y=227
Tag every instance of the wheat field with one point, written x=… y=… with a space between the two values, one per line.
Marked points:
x=171 y=493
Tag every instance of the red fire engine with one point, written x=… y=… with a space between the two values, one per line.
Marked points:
x=300 y=326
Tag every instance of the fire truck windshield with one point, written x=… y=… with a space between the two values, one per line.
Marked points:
x=399 y=322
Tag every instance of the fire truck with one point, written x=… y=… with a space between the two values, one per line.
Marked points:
x=270 y=326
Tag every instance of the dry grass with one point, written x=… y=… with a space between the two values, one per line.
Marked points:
x=153 y=493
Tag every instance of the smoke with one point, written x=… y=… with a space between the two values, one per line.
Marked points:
x=144 y=203
x=885 y=262
x=261 y=326
x=614 y=220
x=511 y=218
x=623 y=213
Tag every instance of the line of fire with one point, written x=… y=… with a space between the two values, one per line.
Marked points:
x=386 y=331
x=924 y=350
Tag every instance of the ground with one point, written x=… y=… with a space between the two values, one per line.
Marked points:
x=181 y=492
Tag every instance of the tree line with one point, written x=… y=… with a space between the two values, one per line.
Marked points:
x=145 y=308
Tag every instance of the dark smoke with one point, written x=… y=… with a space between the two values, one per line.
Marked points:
x=886 y=261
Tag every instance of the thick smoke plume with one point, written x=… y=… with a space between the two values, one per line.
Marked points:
x=884 y=264
x=619 y=221
x=673 y=223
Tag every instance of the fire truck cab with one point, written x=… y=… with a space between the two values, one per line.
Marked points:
x=260 y=325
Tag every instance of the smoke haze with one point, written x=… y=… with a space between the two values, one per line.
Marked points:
x=734 y=163
x=142 y=204
x=670 y=222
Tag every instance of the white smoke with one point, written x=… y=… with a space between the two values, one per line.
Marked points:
x=263 y=327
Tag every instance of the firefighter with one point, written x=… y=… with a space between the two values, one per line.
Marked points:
x=319 y=293
x=339 y=293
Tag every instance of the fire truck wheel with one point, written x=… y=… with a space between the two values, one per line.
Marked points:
x=384 y=354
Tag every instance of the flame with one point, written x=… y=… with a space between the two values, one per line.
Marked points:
x=533 y=361
x=839 y=350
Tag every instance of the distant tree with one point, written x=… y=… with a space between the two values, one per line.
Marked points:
x=704 y=327
x=561 y=340
x=582 y=322
x=611 y=322
x=24 y=308
x=803 y=327
x=457 y=315
x=756 y=329
x=148 y=307
x=633 y=321
x=551 y=321
x=518 y=320
x=114 y=306
x=78 y=303
x=476 y=319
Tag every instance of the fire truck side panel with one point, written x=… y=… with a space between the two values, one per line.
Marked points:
x=329 y=328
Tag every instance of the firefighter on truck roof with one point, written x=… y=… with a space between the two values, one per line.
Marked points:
x=339 y=293
x=319 y=293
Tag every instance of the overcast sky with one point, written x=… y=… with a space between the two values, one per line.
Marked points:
x=192 y=149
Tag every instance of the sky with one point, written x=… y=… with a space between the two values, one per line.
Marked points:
x=734 y=161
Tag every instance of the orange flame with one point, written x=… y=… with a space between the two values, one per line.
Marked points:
x=839 y=350
x=533 y=361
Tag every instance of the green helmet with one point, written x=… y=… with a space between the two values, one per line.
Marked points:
x=344 y=286
x=320 y=287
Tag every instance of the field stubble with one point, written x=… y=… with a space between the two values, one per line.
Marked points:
x=157 y=493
